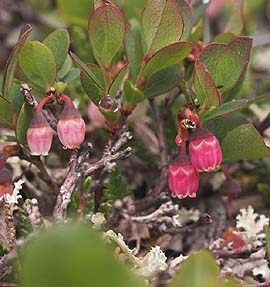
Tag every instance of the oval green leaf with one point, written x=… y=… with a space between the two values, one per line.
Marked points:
x=89 y=86
x=166 y=57
x=186 y=11
x=117 y=81
x=58 y=42
x=225 y=109
x=244 y=143
x=199 y=270
x=162 y=24
x=227 y=63
x=38 y=64
x=206 y=91
x=162 y=81
x=106 y=31
x=73 y=255
x=132 y=96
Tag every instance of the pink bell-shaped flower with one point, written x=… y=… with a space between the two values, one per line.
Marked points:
x=204 y=150
x=183 y=178
x=71 y=126
x=6 y=186
x=39 y=134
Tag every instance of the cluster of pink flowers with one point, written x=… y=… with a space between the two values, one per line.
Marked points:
x=70 y=128
x=204 y=155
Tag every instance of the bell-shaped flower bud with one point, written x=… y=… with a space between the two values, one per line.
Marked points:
x=71 y=126
x=183 y=178
x=39 y=134
x=6 y=186
x=204 y=150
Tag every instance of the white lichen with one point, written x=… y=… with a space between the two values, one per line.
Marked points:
x=187 y=215
x=252 y=223
x=13 y=199
x=147 y=266
x=98 y=219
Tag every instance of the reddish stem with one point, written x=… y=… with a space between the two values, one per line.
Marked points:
x=67 y=100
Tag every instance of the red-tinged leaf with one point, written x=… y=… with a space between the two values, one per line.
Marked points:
x=268 y=10
x=232 y=239
x=162 y=24
x=106 y=31
x=227 y=63
x=166 y=57
x=10 y=67
x=243 y=143
x=186 y=11
x=85 y=70
x=206 y=91
x=118 y=79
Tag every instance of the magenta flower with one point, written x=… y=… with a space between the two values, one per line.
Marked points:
x=183 y=178
x=204 y=150
x=39 y=134
x=71 y=126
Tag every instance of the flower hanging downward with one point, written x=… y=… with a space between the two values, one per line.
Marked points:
x=183 y=178
x=39 y=133
x=71 y=126
x=204 y=150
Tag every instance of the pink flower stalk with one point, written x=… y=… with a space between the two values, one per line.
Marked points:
x=71 y=126
x=96 y=118
x=183 y=178
x=204 y=150
x=39 y=133
x=6 y=186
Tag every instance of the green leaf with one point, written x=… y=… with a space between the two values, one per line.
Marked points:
x=235 y=23
x=80 y=258
x=224 y=38
x=199 y=270
x=224 y=109
x=116 y=82
x=89 y=85
x=162 y=24
x=23 y=122
x=73 y=74
x=86 y=71
x=244 y=143
x=11 y=64
x=134 y=47
x=162 y=81
x=111 y=116
x=7 y=116
x=65 y=68
x=221 y=126
x=166 y=57
x=186 y=11
x=58 y=42
x=106 y=32
x=38 y=64
x=206 y=91
x=132 y=96
x=227 y=63
x=74 y=13
x=16 y=97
